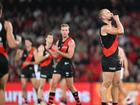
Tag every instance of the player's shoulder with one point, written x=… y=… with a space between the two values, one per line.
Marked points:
x=105 y=29
x=71 y=42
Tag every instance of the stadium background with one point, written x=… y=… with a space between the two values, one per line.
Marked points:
x=34 y=18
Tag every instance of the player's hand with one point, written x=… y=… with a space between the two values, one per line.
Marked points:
x=55 y=48
x=121 y=61
x=26 y=63
x=116 y=17
x=18 y=39
x=126 y=73
x=41 y=48
x=35 y=52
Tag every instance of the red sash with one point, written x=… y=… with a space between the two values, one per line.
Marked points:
x=109 y=51
x=48 y=60
x=3 y=51
x=64 y=48
x=29 y=58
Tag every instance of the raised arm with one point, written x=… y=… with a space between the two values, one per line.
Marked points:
x=12 y=42
x=109 y=29
x=39 y=54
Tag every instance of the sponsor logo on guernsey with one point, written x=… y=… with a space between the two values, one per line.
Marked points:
x=54 y=71
x=66 y=63
x=112 y=68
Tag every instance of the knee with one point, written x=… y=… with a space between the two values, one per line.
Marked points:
x=116 y=83
x=53 y=85
x=106 y=84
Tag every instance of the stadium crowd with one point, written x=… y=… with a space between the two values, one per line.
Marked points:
x=39 y=18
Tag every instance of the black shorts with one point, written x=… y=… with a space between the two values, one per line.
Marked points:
x=3 y=65
x=28 y=72
x=111 y=64
x=46 y=72
x=65 y=69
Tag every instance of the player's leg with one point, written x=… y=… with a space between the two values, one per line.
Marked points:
x=3 y=78
x=24 y=90
x=115 y=87
x=107 y=81
x=71 y=87
x=55 y=80
x=63 y=91
x=3 y=81
x=40 y=90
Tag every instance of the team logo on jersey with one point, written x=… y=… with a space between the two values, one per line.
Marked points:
x=0 y=26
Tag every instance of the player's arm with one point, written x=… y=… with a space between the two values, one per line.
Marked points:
x=124 y=61
x=70 y=52
x=126 y=66
x=12 y=42
x=54 y=53
x=39 y=55
x=109 y=29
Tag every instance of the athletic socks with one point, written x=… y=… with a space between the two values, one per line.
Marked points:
x=39 y=101
x=64 y=101
x=115 y=103
x=104 y=103
x=51 y=98
x=76 y=97
x=24 y=101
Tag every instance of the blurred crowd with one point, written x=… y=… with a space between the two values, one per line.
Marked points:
x=38 y=18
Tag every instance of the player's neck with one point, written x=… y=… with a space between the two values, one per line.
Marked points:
x=48 y=45
x=29 y=48
x=107 y=22
x=65 y=38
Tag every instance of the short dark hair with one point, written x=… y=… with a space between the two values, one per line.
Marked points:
x=50 y=33
x=28 y=38
x=1 y=7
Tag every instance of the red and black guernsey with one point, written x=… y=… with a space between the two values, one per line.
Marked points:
x=49 y=60
x=27 y=56
x=109 y=44
x=63 y=47
x=3 y=41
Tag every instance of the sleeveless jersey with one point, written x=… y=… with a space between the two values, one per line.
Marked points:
x=3 y=41
x=27 y=56
x=48 y=61
x=109 y=44
x=63 y=46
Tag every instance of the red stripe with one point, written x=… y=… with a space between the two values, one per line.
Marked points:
x=3 y=51
x=48 y=60
x=64 y=49
x=29 y=58
x=109 y=51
